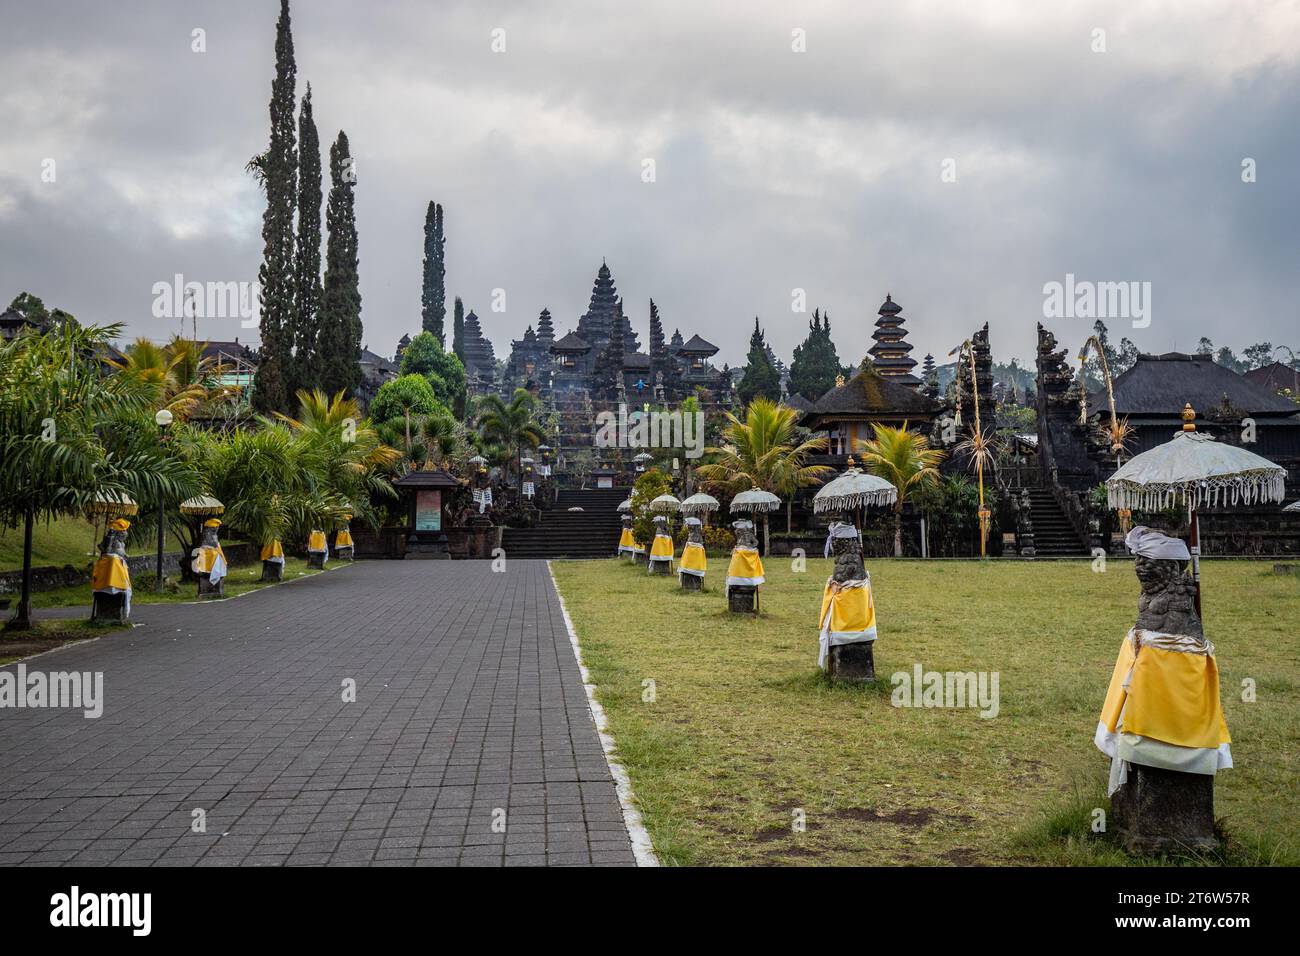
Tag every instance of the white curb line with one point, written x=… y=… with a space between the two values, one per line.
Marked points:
x=642 y=848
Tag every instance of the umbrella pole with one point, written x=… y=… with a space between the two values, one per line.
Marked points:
x=1196 y=558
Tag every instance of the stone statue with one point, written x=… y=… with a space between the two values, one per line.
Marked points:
x=745 y=573
x=1167 y=603
x=1025 y=524
x=210 y=562
x=848 y=616
x=694 y=562
x=111 y=578
x=1162 y=724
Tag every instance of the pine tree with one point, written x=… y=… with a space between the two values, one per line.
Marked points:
x=458 y=329
x=761 y=379
x=277 y=168
x=339 y=344
x=434 y=296
x=816 y=363
x=307 y=282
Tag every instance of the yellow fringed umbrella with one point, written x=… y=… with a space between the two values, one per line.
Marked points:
x=202 y=505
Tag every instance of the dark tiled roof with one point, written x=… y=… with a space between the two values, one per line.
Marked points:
x=797 y=402
x=870 y=394
x=697 y=344
x=571 y=343
x=436 y=478
x=636 y=360
x=1161 y=384
x=1276 y=376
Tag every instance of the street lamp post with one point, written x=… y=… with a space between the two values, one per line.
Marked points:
x=162 y=418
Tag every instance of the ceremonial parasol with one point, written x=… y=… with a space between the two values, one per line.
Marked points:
x=1293 y=506
x=665 y=505
x=1195 y=470
x=202 y=505
x=625 y=504
x=852 y=490
x=110 y=504
x=699 y=503
x=756 y=501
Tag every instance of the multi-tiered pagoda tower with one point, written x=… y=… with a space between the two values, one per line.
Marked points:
x=890 y=353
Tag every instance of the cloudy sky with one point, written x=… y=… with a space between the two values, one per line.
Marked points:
x=775 y=170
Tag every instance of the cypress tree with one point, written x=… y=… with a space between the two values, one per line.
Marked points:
x=339 y=343
x=306 y=360
x=278 y=170
x=434 y=296
x=458 y=329
x=816 y=363
x=761 y=379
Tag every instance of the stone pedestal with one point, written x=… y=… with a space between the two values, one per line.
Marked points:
x=854 y=663
x=343 y=554
x=1163 y=811
x=316 y=559
x=272 y=571
x=660 y=567
x=208 y=590
x=691 y=582
x=108 y=607
x=742 y=599
x=640 y=557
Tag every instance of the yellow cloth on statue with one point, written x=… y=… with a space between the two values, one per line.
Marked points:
x=110 y=574
x=316 y=541
x=273 y=551
x=1171 y=696
x=662 y=548
x=746 y=567
x=343 y=539
x=694 y=561
x=848 y=616
x=209 y=561
x=627 y=543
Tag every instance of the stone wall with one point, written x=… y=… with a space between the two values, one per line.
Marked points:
x=50 y=577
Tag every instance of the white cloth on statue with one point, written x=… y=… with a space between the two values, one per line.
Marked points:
x=1147 y=543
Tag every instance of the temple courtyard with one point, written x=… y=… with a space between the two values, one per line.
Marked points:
x=433 y=713
x=739 y=741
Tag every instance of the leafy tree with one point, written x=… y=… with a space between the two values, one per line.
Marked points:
x=424 y=355
x=816 y=363
x=403 y=397
x=905 y=459
x=433 y=298
x=649 y=485
x=764 y=451
x=1258 y=355
x=1125 y=358
x=339 y=344
x=277 y=170
x=458 y=330
x=1228 y=359
x=307 y=362
x=761 y=379
x=61 y=442
x=513 y=424
x=1205 y=347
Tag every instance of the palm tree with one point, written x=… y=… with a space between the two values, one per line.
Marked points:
x=512 y=425
x=905 y=459
x=182 y=379
x=64 y=435
x=343 y=447
x=763 y=451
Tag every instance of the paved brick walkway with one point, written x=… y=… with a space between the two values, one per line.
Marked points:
x=469 y=703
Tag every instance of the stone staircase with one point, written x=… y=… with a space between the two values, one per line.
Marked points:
x=1054 y=536
x=590 y=533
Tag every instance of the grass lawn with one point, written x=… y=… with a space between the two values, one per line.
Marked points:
x=47 y=635
x=744 y=733
x=63 y=541
x=241 y=579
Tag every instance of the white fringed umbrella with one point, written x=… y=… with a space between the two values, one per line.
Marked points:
x=1197 y=471
x=202 y=505
x=698 y=503
x=852 y=490
x=1293 y=506
x=665 y=505
x=625 y=504
x=755 y=500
